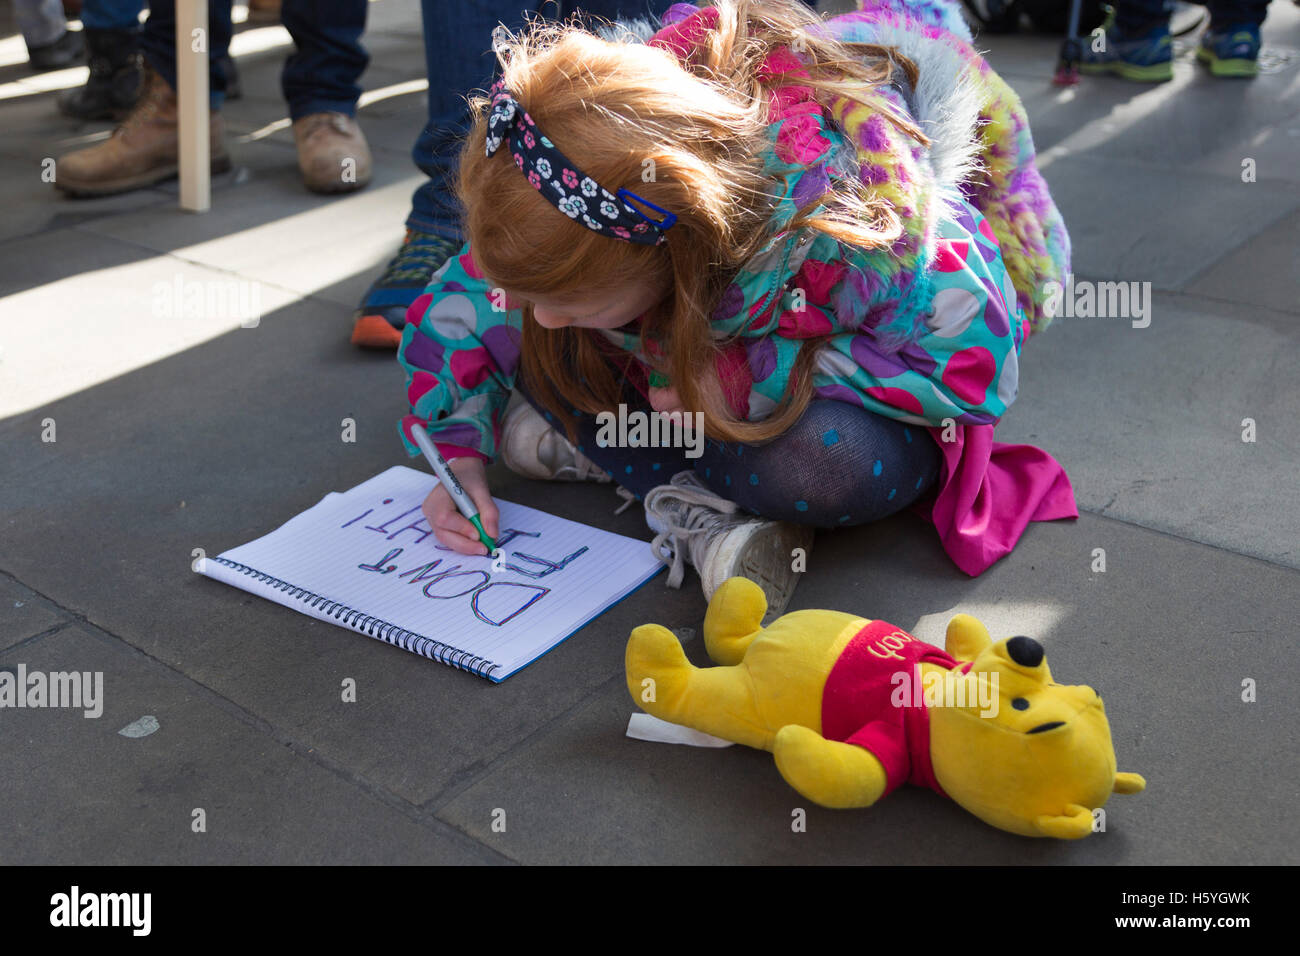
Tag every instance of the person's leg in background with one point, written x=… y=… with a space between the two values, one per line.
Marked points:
x=263 y=11
x=459 y=58
x=1138 y=16
x=1225 y=13
x=50 y=44
x=112 y=32
x=1137 y=46
x=1230 y=46
x=158 y=41
x=144 y=149
x=320 y=84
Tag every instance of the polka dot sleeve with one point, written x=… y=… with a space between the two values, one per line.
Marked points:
x=460 y=351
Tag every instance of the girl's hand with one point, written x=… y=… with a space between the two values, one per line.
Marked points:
x=666 y=401
x=450 y=526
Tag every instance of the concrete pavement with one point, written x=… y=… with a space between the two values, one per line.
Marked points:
x=197 y=433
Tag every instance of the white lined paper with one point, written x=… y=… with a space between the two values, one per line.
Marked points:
x=313 y=563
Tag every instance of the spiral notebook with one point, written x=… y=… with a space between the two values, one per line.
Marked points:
x=366 y=559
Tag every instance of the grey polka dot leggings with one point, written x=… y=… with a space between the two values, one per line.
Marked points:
x=837 y=466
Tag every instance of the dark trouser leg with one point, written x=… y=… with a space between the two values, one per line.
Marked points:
x=1229 y=13
x=1138 y=16
x=321 y=74
x=158 y=42
x=111 y=14
x=837 y=466
x=458 y=58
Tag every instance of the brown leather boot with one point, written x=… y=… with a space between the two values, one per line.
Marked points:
x=141 y=152
x=332 y=153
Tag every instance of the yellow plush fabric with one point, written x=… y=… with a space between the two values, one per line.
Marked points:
x=1038 y=767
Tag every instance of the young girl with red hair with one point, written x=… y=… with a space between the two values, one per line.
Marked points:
x=827 y=241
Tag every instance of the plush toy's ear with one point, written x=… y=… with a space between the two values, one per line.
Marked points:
x=966 y=637
x=1074 y=825
x=1129 y=783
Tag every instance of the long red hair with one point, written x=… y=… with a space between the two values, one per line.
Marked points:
x=688 y=138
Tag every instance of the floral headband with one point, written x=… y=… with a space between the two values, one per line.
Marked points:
x=566 y=187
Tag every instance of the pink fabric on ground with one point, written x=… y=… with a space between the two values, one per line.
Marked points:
x=989 y=491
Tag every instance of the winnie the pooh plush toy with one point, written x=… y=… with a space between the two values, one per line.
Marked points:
x=851 y=708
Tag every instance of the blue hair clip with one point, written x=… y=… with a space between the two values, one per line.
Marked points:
x=662 y=224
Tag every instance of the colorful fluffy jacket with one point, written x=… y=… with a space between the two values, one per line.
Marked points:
x=928 y=331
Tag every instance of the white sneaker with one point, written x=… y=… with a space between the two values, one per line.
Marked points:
x=694 y=525
x=531 y=447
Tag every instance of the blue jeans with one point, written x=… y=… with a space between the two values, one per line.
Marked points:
x=1133 y=16
x=320 y=75
x=458 y=56
x=111 y=14
x=41 y=22
x=158 y=43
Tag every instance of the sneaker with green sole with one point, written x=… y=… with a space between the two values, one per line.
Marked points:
x=379 y=320
x=1231 y=52
x=1146 y=57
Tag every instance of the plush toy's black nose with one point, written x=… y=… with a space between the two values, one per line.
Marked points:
x=1025 y=651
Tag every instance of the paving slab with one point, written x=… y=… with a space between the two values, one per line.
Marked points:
x=39 y=132
x=57 y=254
x=218 y=438
x=1148 y=422
x=278 y=234
x=1271 y=150
x=1264 y=271
x=36 y=132
x=24 y=613
x=104 y=321
x=88 y=795
x=149 y=481
x=1136 y=224
x=1166 y=634
x=1175 y=123
x=1121 y=158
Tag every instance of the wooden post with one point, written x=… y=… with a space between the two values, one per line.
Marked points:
x=192 y=103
